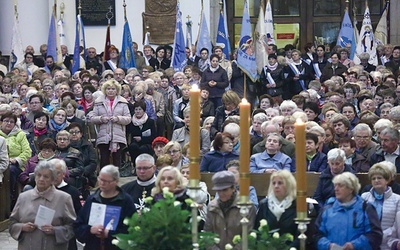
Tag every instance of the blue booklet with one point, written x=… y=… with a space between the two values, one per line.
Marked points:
x=106 y=215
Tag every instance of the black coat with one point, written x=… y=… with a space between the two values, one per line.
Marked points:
x=325 y=188
x=328 y=71
x=220 y=76
x=149 y=125
x=34 y=141
x=278 y=78
x=292 y=87
x=220 y=117
x=207 y=110
x=89 y=158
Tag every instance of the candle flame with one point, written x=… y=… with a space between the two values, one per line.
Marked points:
x=195 y=87
x=299 y=121
x=244 y=100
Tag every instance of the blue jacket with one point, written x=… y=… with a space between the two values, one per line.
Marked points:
x=82 y=229
x=216 y=161
x=318 y=163
x=261 y=161
x=358 y=224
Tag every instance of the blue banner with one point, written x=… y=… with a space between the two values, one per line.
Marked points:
x=246 y=58
x=52 y=39
x=79 y=41
x=222 y=38
x=346 y=35
x=127 y=59
x=179 y=56
x=203 y=40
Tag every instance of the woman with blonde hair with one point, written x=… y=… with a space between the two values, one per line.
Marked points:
x=111 y=115
x=279 y=208
x=174 y=149
x=171 y=178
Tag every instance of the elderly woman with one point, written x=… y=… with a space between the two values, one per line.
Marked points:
x=223 y=212
x=158 y=145
x=53 y=235
x=348 y=211
x=325 y=189
x=142 y=132
x=58 y=120
x=341 y=125
x=255 y=130
x=272 y=159
x=18 y=148
x=97 y=235
x=383 y=199
x=87 y=100
x=349 y=110
x=111 y=114
x=174 y=149
x=287 y=107
x=71 y=156
x=229 y=108
x=279 y=208
x=73 y=114
x=216 y=160
x=169 y=177
x=266 y=102
x=182 y=136
x=88 y=153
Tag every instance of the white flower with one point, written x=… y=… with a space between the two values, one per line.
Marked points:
x=115 y=242
x=276 y=235
x=176 y=203
x=126 y=221
x=216 y=240
x=198 y=218
x=236 y=239
x=137 y=228
x=148 y=199
x=166 y=193
x=292 y=248
x=253 y=234
x=263 y=222
x=146 y=209
x=165 y=190
x=228 y=247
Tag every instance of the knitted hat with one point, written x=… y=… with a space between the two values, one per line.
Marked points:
x=159 y=139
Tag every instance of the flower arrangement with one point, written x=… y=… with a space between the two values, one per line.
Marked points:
x=264 y=239
x=161 y=225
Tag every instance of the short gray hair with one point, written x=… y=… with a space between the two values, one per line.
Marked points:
x=260 y=117
x=362 y=127
x=45 y=165
x=349 y=180
x=336 y=154
x=383 y=123
x=145 y=157
x=111 y=170
x=58 y=162
x=392 y=132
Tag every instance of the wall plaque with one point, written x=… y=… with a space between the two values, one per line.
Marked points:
x=94 y=12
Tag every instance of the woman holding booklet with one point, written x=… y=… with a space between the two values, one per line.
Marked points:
x=42 y=217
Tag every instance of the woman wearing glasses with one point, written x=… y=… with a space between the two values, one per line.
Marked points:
x=99 y=234
x=216 y=160
x=174 y=149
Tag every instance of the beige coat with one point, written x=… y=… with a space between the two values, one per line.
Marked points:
x=228 y=225
x=110 y=131
x=25 y=211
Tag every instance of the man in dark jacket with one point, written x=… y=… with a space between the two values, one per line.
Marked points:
x=334 y=68
x=389 y=149
x=146 y=179
x=394 y=63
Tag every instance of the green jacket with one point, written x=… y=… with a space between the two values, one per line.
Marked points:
x=18 y=146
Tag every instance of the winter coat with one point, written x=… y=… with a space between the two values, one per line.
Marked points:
x=292 y=87
x=82 y=228
x=207 y=110
x=216 y=161
x=110 y=131
x=25 y=211
x=379 y=156
x=73 y=160
x=328 y=71
x=88 y=155
x=18 y=146
x=220 y=76
x=182 y=136
x=149 y=130
x=390 y=206
x=325 y=188
x=262 y=161
x=34 y=141
x=358 y=224
x=287 y=148
x=226 y=225
x=318 y=163
x=220 y=117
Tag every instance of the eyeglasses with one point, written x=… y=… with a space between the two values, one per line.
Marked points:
x=105 y=181
x=62 y=139
x=361 y=137
x=143 y=168
x=74 y=132
x=171 y=152
x=9 y=121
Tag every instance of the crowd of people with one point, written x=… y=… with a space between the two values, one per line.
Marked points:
x=103 y=117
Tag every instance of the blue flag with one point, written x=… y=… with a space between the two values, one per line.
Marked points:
x=52 y=38
x=179 y=56
x=346 y=35
x=246 y=58
x=222 y=38
x=79 y=41
x=203 y=39
x=127 y=59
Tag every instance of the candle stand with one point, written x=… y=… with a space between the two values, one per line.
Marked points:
x=302 y=222
x=193 y=192
x=245 y=206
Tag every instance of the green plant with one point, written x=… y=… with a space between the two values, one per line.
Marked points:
x=164 y=225
x=265 y=239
